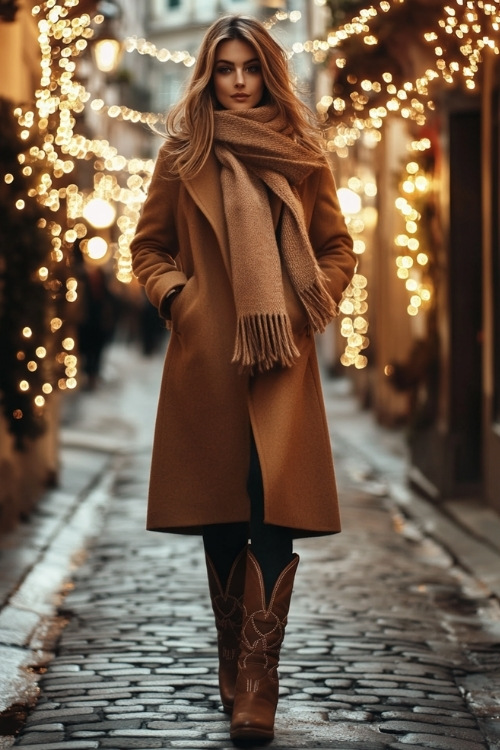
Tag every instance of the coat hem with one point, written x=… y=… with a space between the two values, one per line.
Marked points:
x=198 y=531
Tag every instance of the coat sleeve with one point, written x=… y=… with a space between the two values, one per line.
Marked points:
x=155 y=245
x=330 y=237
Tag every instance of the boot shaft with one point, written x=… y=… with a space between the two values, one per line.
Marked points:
x=227 y=605
x=227 y=601
x=264 y=622
x=255 y=594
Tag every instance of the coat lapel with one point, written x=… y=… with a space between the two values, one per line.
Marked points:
x=205 y=190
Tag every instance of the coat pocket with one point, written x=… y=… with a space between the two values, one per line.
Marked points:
x=182 y=305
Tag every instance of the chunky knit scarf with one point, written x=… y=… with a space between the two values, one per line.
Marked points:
x=257 y=153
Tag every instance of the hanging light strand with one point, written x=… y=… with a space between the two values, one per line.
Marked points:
x=463 y=32
x=413 y=259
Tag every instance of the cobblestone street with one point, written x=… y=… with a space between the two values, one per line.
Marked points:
x=391 y=642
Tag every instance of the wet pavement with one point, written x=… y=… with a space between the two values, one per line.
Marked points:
x=393 y=638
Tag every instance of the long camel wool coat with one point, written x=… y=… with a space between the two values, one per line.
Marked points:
x=207 y=409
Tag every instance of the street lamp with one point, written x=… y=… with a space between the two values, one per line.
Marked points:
x=107 y=54
x=107 y=48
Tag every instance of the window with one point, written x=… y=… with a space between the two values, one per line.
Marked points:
x=168 y=91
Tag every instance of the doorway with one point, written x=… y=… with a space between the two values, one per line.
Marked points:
x=465 y=303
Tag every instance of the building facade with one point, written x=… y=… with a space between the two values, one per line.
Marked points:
x=433 y=259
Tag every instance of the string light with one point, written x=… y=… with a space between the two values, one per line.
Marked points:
x=459 y=39
x=412 y=262
x=143 y=47
x=354 y=306
x=283 y=15
x=354 y=326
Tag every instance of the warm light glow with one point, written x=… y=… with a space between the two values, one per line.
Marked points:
x=96 y=248
x=99 y=213
x=350 y=202
x=416 y=184
x=354 y=327
x=107 y=53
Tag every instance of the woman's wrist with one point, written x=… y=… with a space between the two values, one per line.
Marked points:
x=169 y=298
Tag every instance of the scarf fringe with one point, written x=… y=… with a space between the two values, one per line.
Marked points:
x=320 y=307
x=264 y=340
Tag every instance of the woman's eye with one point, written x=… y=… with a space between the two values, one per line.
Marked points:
x=253 y=69
x=223 y=69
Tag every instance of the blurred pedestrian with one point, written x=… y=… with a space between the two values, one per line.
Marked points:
x=242 y=248
x=96 y=315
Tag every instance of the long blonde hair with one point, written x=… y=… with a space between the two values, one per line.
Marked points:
x=190 y=123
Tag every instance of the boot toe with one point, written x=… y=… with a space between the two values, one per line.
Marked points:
x=254 y=721
x=251 y=733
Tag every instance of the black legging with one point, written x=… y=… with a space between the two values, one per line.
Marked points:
x=272 y=545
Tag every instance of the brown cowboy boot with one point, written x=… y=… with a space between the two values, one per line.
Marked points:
x=257 y=686
x=228 y=610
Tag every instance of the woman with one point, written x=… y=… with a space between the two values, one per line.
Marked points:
x=242 y=248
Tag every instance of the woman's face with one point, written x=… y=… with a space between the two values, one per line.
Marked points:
x=237 y=76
